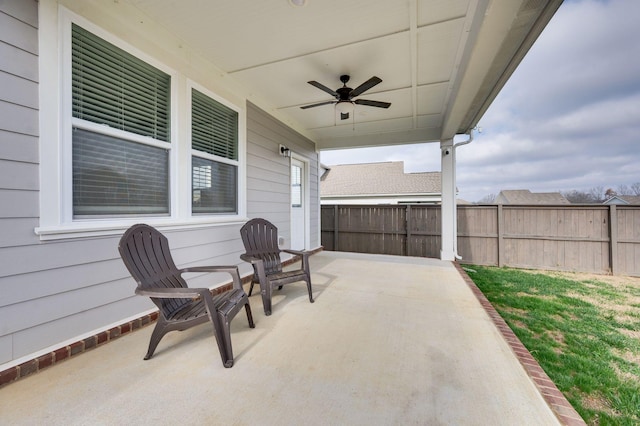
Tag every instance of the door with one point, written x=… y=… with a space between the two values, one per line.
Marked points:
x=298 y=202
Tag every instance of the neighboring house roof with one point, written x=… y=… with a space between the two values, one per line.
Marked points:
x=524 y=196
x=377 y=179
x=623 y=199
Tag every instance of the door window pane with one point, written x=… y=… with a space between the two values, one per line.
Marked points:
x=296 y=186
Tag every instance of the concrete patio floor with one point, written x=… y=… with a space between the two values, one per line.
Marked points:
x=389 y=341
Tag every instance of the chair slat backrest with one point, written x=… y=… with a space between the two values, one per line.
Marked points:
x=145 y=252
x=260 y=239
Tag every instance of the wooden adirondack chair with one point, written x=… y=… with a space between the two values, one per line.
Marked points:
x=145 y=252
x=260 y=238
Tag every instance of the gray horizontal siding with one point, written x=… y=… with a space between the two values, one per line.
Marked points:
x=18 y=24
x=18 y=232
x=18 y=147
x=18 y=90
x=25 y=11
x=18 y=131
x=18 y=62
x=268 y=172
x=18 y=118
x=76 y=324
x=18 y=204
x=19 y=175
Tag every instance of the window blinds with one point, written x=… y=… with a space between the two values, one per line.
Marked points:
x=214 y=127
x=117 y=177
x=113 y=87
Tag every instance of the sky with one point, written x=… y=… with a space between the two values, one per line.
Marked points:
x=567 y=119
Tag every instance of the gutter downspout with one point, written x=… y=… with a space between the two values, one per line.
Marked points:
x=455 y=181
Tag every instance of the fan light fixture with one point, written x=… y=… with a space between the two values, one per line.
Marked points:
x=345 y=107
x=297 y=2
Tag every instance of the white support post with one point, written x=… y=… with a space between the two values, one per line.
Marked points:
x=448 y=249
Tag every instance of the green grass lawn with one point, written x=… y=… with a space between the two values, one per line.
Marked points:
x=584 y=331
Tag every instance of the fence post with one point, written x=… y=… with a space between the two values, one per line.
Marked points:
x=500 y=218
x=613 y=239
x=335 y=227
x=407 y=224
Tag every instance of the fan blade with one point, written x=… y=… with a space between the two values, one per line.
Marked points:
x=344 y=116
x=323 y=88
x=365 y=86
x=377 y=104
x=318 y=104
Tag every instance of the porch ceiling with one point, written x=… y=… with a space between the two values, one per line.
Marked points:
x=442 y=62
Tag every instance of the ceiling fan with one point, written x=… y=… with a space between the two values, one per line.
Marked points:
x=344 y=95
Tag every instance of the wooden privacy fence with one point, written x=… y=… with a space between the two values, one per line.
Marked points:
x=603 y=239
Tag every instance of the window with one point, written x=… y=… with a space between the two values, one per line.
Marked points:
x=115 y=141
x=296 y=186
x=121 y=131
x=214 y=164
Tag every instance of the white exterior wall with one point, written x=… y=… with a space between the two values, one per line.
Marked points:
x=54 y=291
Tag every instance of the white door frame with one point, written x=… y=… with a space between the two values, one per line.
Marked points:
x=306 y=200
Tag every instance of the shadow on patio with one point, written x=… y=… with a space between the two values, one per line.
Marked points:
x=390 y=340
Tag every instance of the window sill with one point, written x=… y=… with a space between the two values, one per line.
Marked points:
x=95 y=229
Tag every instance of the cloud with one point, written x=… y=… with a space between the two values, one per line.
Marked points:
x=568 y=118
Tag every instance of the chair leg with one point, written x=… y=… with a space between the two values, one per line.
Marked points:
x=218 y=328
x=251 y=288
x=265 y=291
x=158 y=333
x=227 y=358
x=247 y=308
x=308 y=280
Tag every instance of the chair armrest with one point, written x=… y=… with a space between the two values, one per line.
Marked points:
x=231 y=270
x=297 y=252
x=258 y=267
x=305 y=258
x=171 y=293
x=250 y=259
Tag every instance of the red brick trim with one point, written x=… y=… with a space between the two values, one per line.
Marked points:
x=563 y=410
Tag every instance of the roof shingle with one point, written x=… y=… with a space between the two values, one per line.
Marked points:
x=524 y=196
x=377 y=178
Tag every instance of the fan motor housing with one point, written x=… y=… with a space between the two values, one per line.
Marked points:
x=344 y=93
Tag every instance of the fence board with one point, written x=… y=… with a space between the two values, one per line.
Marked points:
x=565 y=238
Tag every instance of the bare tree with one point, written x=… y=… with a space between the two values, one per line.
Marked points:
x=635 y=188
x=597 y=194
x=487 y=199
x=624 y=190
x=579 y=197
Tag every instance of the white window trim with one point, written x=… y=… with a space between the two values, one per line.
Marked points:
x=56 y=202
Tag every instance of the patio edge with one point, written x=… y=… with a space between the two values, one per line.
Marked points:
x=564 y=411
